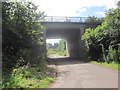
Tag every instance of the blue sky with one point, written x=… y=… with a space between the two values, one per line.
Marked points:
x=93 y=11
x=75 y=7
x=79 y=8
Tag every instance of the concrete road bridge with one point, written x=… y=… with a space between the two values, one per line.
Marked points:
x=71 y=29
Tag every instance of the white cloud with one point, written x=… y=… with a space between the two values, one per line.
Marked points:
x=111 y=4
x=81 y=10
x=100 y=13
x=52 y=41
x=69 y=7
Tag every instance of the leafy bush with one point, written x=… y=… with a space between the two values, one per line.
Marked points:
x=102 y=43
x=22 y=43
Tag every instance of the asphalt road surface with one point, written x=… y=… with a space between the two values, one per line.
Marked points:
x=77 y=74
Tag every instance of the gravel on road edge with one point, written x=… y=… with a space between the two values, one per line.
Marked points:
x=52 y=71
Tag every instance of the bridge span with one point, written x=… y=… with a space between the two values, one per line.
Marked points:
x=71 y=31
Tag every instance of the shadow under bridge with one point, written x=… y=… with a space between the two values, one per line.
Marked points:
x=69 y=30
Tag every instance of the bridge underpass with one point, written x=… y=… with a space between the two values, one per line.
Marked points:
x=71 y=32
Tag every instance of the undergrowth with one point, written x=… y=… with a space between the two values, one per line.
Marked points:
x=27 y=77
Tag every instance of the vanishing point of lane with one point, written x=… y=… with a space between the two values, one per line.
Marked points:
x=77 y=74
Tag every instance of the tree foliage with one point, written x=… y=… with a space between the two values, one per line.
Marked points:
x=93 y=19
x=62 y=46
x=22 y=40
x=103 y=41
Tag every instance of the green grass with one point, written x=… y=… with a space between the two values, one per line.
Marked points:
x=46 y=82
x=31 y=77
x=35 y=83
x=31 y=83
x=113 y=64
x=51 y=51
x=62 y=53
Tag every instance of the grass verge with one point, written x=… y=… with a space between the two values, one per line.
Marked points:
x=50 y=52
x=113 y=65
x=46 y=82
x=31 y=77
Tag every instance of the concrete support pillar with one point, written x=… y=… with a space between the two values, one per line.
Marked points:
x=67 y=52
x=74 y=46
x=83 y=53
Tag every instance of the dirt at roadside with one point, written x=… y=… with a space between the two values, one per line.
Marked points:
x=51 y=69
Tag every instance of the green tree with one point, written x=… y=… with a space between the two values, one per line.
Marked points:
x=22 y=40
x=93 y=19
x=105 y=38
x=61 y=46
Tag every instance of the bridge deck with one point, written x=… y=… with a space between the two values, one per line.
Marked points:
x=63 y=19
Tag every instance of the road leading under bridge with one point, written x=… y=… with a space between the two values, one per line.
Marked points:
x=73 y=73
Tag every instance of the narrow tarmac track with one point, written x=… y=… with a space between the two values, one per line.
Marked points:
x=77 y=74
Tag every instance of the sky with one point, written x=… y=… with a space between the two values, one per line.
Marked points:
x=78 y=8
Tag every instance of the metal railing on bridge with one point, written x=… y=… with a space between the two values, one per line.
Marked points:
x=63 y=19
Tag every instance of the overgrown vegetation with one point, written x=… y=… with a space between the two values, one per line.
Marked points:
x=23 y=49
x=103 y=42
x=28 y=77
x=57 y=48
